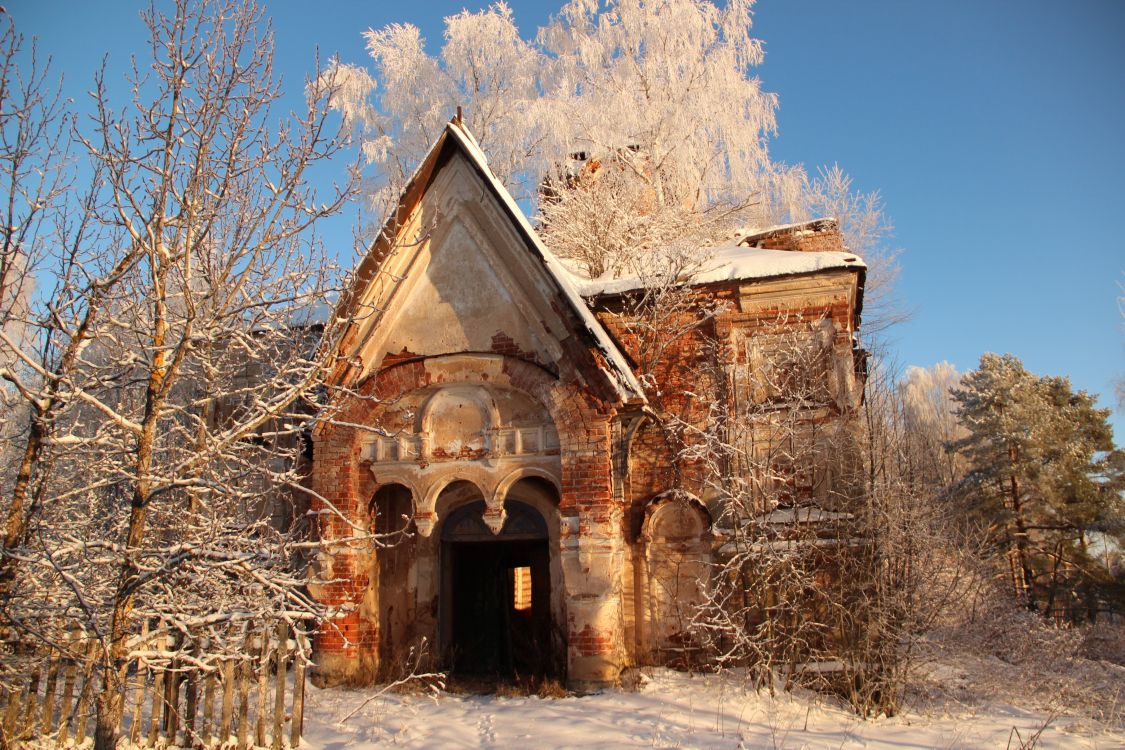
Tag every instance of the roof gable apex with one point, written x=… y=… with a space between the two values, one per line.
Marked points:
x=454 y=221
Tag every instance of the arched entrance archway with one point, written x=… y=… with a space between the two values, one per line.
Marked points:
x=495 y=599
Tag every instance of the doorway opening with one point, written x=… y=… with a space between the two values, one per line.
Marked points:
x=496 y=594
x=391 y=509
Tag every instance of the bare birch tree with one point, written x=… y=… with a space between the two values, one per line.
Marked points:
x=171 y=373
x=33 y=148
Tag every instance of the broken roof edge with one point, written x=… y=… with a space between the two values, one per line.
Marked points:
x=732 y=263
x=815 y=226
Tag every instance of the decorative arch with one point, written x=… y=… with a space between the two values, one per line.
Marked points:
x=524 y=472
x=386 y=478
x=400 y=376
x=467 y=524
x=675 y=515
x=426 y=515
x=435 y=491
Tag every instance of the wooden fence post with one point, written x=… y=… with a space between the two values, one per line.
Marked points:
x=263 y=688
x=141 y=677
x=47 y=717
x=31 y=708
x=172 y=693
x=82 y=713
x=11 y=713
x=244 y=672
x=208 y=717
x=156 y=718
x=298 y=726
x=192 y=679
x=68 y=690
x=279 y=686
x=228 y=700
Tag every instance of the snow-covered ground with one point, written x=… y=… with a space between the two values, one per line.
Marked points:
x=672 y=710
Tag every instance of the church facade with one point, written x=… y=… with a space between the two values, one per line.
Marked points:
x=502 y=426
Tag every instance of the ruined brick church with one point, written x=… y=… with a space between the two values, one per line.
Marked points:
x=492 y=425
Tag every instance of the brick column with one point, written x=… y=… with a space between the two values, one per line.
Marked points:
x=345 y=646
x=592 y=554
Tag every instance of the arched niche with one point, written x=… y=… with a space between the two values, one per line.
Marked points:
x=676 y=537
x=457 y=422
x=675 y=517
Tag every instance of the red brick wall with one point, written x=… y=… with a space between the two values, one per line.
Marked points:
x=695 y=363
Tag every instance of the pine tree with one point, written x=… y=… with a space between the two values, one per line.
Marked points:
x=1045 y=476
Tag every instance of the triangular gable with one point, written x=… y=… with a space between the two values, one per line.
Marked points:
x=459 y=268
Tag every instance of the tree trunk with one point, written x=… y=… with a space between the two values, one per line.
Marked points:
x=15 y=531
x=111 y=708
x=1020 y=541
x=111 y=703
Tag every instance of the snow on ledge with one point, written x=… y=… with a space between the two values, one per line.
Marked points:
x=732 y=263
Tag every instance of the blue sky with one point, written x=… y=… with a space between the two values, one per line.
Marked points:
x=995 y=130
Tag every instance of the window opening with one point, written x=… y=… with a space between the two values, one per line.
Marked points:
x=521 y=589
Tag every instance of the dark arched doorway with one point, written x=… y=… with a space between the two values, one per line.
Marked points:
x=496 y=592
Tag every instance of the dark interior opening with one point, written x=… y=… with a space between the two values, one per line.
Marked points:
x=491 y=628
x=391 y=510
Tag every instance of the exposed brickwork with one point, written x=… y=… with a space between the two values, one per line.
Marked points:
x=589 y=642
x=391 y=359
x=504 y=344
x=615 y=451
x=815 y=236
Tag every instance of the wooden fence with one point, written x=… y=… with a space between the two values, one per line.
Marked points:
x=177 y=693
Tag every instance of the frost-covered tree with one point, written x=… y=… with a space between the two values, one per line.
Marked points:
x=931 y=424
x=170 y=371
x=1044 y=476
x=398 y=113
x=34 y=180
x=831 y=550
x=657 y=98
x=866 y=230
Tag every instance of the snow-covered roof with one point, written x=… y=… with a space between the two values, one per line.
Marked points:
x=621 y=374
x=732 y=263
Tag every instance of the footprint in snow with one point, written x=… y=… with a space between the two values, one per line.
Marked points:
x=486 y=731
